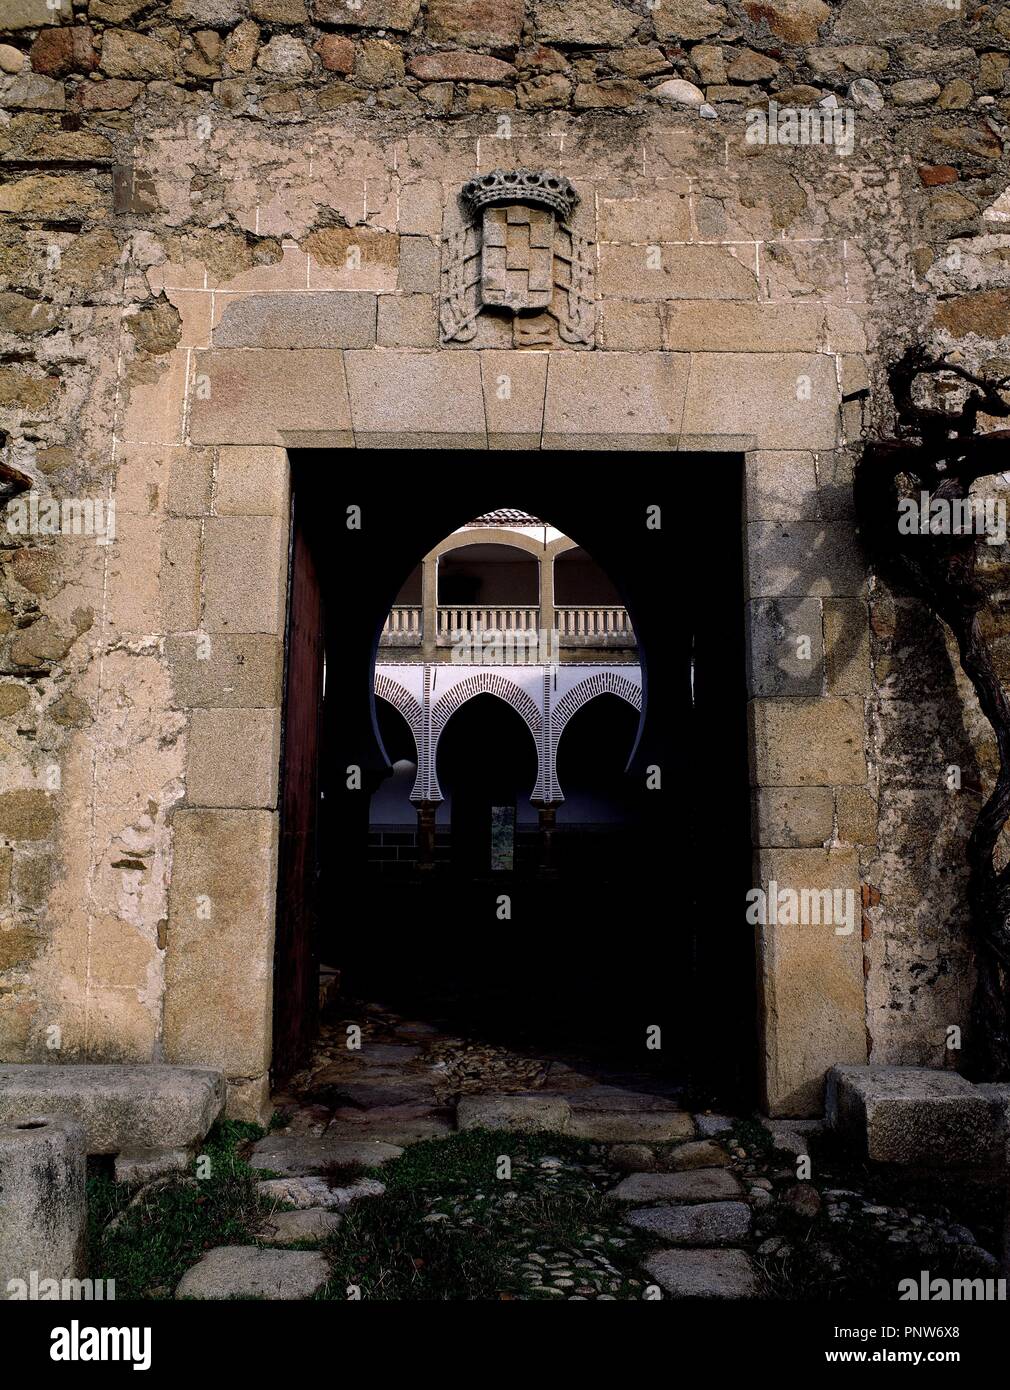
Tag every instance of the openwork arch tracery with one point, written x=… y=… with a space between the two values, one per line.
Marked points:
x=401 y=699
x=483 y=683
x=600 y=683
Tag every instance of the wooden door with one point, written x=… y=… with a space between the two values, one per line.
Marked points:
x=296 y=959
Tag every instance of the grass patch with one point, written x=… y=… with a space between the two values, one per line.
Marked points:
x=454 y=1224
x=155 y=1241
x=343 y=1174
x=469 y=1160
x=451 y=1229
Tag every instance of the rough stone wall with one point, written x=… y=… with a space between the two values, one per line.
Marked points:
x=289 y=59
x=180 y=185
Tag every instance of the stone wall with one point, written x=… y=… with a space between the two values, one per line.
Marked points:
x=222 y=237
x=289 y=59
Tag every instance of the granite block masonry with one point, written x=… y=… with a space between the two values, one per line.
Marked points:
x=229 y=236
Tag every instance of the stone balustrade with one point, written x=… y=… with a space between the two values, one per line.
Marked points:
x=403 y=627
x=589 y=626
x=575 y=626
x=455 y=622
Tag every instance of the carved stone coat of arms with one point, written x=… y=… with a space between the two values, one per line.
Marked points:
x=517 y=253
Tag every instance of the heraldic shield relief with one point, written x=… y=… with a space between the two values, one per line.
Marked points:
x=518 y=253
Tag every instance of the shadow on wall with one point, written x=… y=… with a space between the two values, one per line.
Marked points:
x=919 y=948
x=887 y=654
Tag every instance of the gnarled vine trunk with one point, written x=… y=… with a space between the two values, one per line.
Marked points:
x=941 y=454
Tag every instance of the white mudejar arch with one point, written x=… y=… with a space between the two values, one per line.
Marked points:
x=397 y=695
x=482 y=682
x=545 y=698
x=606 y=680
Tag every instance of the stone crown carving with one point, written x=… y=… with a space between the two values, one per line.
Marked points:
x=539 y=187
x=517 y=253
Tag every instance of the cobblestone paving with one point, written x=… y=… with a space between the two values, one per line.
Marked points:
x=407 y=1074
x=654 y=1201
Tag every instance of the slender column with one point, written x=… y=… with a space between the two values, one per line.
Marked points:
x=426 y=770
x=547 y=809
x=546 y=621
x=429 y=617
x=547 y=817
x=426 y=835
x=547 y=790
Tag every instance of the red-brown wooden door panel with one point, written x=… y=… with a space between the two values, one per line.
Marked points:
x=296 y=964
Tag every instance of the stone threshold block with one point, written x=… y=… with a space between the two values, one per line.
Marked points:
x=146 y=1106
x=298 y=1154
x=616 y=1120
x=615 y=1125
x=528 y=1114
x=695 y=1185
x=913 y=1115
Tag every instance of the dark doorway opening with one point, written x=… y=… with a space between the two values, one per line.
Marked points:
x=487 y=766
x=648 y=932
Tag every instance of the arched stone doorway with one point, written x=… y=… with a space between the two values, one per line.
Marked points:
x=377 y=565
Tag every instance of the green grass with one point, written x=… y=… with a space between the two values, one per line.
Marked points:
x=388 y=1250
x=485 y=1224
x=160 y=1238
x=469 y=1160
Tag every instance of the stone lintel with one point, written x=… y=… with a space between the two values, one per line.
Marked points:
x=417 y=398
x=253 y=395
